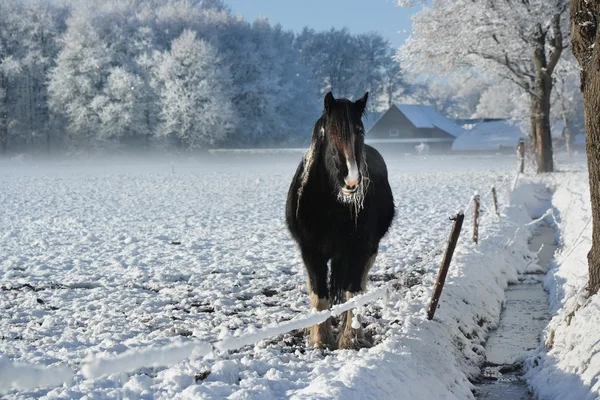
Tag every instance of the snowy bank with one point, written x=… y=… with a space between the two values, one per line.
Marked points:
x=567 y=365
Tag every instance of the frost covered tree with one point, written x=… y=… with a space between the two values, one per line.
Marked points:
x=99 y=83
x=287 y=84
x=119 y=106
x=585 y=33
x=79 y=77
x=349 y=64
x=567 y=102
x=497 y=100
x=86 y=73
x=11 y=59
x=393 y=82
x=194 y=93
x=29 y=34
x=521 y=41
x=272 y=91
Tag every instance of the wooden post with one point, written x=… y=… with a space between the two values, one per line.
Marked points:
x=521 y=155
x=441 y=278
x=522 y=165
x=495 y=200
x=476 y=200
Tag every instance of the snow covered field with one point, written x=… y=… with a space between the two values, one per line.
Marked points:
x=100 y=258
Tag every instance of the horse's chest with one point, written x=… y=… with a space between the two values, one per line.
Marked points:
x=328 y=220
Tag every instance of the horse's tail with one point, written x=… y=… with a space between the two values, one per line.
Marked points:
x=336 y=283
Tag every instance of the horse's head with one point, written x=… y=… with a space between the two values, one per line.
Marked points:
x=344 y=137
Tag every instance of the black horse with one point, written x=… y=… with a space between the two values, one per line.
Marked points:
x=339 y=206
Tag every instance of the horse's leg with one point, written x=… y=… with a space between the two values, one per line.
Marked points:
x=316 y=267
x=353 y=337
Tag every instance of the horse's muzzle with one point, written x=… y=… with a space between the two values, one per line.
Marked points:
x=349 y=190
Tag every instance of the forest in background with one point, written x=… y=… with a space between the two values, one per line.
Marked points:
x=80 y=75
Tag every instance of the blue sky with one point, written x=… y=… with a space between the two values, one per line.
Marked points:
x=358 y=15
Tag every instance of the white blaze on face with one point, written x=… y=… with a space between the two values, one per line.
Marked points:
x=352 y=178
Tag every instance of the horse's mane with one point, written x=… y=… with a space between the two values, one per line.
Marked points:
x=310 y=156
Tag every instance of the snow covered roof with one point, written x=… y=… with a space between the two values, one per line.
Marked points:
x=489 y=136
x=422 y=116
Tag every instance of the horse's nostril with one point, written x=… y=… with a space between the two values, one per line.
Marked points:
x=349 y=189
x=351 y=183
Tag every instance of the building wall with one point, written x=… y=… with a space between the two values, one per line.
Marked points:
x=393 y=119
x=406 y=135
x=409 y=148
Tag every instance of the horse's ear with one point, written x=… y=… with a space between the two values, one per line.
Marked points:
x=329 y=101
x=362 y=102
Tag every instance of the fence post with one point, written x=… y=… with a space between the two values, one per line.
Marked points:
x=522 y=165
x=521 y=155
x=441 y=278
x=495 y=200
x=476 y=200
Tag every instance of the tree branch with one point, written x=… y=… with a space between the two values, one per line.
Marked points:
x=556 y=43
x=519 y=77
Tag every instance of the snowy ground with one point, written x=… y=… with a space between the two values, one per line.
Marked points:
x=88 y=266
x=567 y=366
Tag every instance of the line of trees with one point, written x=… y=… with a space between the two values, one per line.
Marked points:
x=80 y=75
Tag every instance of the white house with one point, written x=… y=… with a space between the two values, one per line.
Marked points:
x=489 y=136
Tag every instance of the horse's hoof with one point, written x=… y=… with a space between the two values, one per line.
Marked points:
x=321 y=336
x=354 y=339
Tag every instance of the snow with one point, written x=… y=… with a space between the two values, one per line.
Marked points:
x=422 y=116
x=489 y=136
x=132 y=359
x=254 y=336
x=130 y=314
x=567 y=365
x=26 y=377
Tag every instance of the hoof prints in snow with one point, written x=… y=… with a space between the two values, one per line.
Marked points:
x=113 y=293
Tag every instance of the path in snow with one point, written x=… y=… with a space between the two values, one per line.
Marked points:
x=524 y=316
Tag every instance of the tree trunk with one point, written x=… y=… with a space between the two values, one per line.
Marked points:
x=586 y=48
x=532 y=120
x=543 y=89
x=545 y=162
x=3 y=114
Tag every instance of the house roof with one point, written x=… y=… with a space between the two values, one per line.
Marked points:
x=489 y=136
x=422 y=116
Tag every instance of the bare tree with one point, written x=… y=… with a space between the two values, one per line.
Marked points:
x=586 y=48
x=521 y=41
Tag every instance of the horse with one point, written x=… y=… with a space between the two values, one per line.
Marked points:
x=339 y=206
